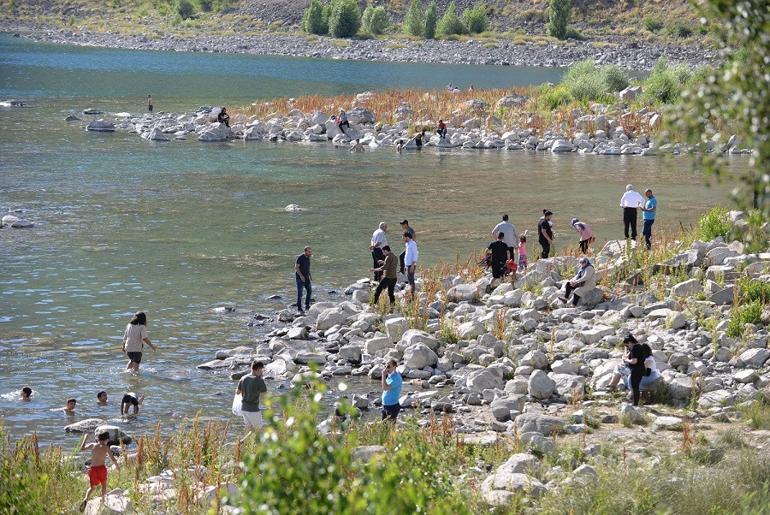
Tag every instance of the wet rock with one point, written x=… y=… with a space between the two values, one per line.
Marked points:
x=101 y=126
x=84 y=426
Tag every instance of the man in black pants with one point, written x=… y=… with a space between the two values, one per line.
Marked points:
x=630 y=202
x=404 y=228
x=545 y=233
x=388 y=271
x=499 y=255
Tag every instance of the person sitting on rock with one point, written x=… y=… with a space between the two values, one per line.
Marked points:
x=441 y=131
x=342 y=121
x=223 y=117
x=26 y=394
x=130 y=399
x=583 y=282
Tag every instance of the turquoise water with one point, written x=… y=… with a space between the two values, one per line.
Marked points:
x=176 y=229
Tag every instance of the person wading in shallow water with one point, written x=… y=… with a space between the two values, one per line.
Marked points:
x=302 y=276
x=149 y=103
x=391 y=391
x=134 y=338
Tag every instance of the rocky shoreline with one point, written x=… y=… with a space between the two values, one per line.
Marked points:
x=629 y=54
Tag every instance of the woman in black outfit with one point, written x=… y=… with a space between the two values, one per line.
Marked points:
x=223 y=117
x=635 y=362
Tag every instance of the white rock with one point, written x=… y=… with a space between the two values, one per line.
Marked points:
x=395 y=328
x=420 y=356
x=540 y=385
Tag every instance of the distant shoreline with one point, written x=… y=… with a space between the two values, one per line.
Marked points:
x=631 y=56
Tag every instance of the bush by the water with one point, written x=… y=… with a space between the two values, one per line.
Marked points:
x=375 y=20
x=450 y=24
x=185 y=9
x=586 y=82
x=614 y=78
x=414 y=24
x=714 y=224
x=558 y=18
x=315 y=19
x=431 y=18
x=344 y=18
x=476 y=19
x=666 y=83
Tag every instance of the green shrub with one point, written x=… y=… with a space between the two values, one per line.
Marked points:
x=652 y=24
x=431 y=17
x=375 y=20
x=750 y=313
x=614 y=78
x=664 y=83
x=344 y=18
x=315 y=19
x=751 y=290
x=450 y=24
x=715 y=223
x=756 y=413
x=558 y=17
x=585 y=82
x=185 y=9
x=555 y=97
x=205 y=5
x=573 y=33
x=680 y=30
x=414 y=24
x=476 y=19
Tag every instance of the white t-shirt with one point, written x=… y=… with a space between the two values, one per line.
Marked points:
x=410 y=258
x=509 y=230
x=133 y=337
x=631 y=199
x=378 y=237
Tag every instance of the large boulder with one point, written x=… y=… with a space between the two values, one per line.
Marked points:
x=414 y=336
x=84 y=426
x=753 y=358
x=360 y=115
x=116 y=502
x=501 y=408
x=595 y=334
x=483 y=379
x=538 y=423
x=117 y=436
x=463 y=292
x=351 y=353
x=395 y=328
x=215 y=132
x=541 y=386
x=470 y=330
x=420 y=355
x=331 y=317
x=378 y=344
x=101 y=126
x=501 y=488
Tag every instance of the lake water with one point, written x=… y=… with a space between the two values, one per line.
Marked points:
x=176 y=229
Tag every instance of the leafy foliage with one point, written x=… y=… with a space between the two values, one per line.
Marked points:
x=414 y=24
x=652 y=24
x=558 y=18
x=185 y=9
x=344 y=18
x=315 y=19
x=614 y=78
x=375 y=20
x=754 y=290
x=750 y=313
x=714 y=224
x=450 y=23
x=431 y=18
x=738 y=93
x=666 y=83
x=476 y=19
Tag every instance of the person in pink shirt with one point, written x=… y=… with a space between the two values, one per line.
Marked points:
x=522 y=252
x=586 y=234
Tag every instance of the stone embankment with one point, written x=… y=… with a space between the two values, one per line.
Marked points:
x=600 y=129
x=629 y=54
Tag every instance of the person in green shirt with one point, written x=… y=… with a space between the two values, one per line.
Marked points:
x=250 y=387
x=388 y=269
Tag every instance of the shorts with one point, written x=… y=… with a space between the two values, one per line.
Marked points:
x=623 y=370
x=97 y=475
x=522 y=262
x=135 y=357
x=391 y=411
x=252 y=419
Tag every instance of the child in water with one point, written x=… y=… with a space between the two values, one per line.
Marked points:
x=522 y=253
x=97 y=472
x=26 y=394
x=130 y=399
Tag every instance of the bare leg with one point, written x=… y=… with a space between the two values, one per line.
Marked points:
x=85 y=499
x=614 y=382
x=104 y=491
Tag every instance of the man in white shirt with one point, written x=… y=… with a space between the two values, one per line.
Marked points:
x=511 y=237
x=379 y=240
x=630 y=202
x=410 y=258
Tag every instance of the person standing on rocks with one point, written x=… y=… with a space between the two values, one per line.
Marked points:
x=649 y=210
x=410 y=260
x=388 y=268
x=498 y=255
x=149 y=103
x=545 y=233
x=404 y=228
x=134 y=338
x=378 y=242
x=583 y=282
x=250 y=387
x=586 y=234
x=635 y=361
x=97 y=471
x=630 y=202
x=391 y=391
x=511 y=235
x=522 y=253
x=302 y=277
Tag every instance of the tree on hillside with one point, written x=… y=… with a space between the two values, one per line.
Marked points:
x=431 y=17
x=344 y=19
x=476 y=19
x=735 y=98
x=375 y=19
x=414 y=23
x=450 y=23
x=558 y=18
x=315 y=19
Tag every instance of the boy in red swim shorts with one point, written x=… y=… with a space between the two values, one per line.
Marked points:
x=97 y=472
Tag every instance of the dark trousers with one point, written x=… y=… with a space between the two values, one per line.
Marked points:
x=300 y=286
x=647 y=232
x=498 y=269
x=391 y=412
x=629 y=222
x=568 y=288
x=390 y=284
x=637 y=372
x=441 y=133
x=546 y=245
x=584 y=245
x=377 y=256
x=401 y=262
x=511 y=253
x=410 y=271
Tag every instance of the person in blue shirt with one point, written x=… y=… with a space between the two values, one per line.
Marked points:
x=391 y=391
x=648 y=216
